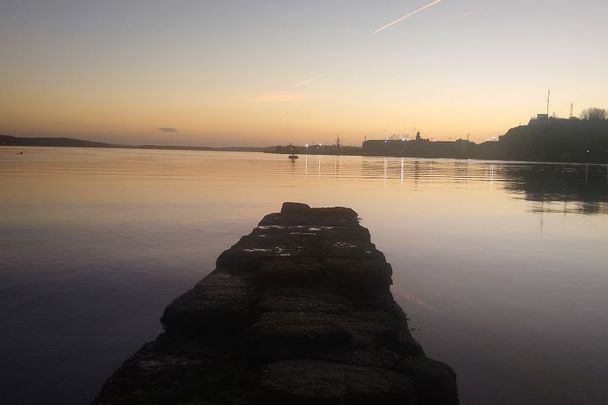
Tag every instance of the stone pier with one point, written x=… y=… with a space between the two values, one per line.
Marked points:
x=297 y=312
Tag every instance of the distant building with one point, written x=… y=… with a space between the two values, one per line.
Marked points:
x=387 y=147
x=419 y=147
x=539 y=119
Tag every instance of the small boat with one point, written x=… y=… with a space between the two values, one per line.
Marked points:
x=292 y=155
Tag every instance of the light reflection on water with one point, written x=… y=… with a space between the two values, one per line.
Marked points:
x=500 y=266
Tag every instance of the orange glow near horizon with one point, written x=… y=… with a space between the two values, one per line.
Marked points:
x=448 y=71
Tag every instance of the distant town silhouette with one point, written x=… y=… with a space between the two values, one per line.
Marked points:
x=543 y=139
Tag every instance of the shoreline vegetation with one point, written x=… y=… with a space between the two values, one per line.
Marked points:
x=543 y=139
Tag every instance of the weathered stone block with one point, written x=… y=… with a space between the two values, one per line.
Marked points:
x=297 y=312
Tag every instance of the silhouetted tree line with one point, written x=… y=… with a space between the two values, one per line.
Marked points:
x=594 y=113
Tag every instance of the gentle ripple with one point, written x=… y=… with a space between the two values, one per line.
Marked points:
x=501 y=266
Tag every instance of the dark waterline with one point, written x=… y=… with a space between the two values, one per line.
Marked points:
x=500 y=266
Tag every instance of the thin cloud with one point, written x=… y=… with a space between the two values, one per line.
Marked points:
x=168 y=129
x=304 y=82
x=466 y=14
x=282 y=98
x=398 y=20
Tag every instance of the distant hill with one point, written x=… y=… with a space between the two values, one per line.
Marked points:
x=542 y=140
x=7 y=140
x=552 y=140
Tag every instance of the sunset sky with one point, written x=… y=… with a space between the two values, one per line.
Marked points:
x=250 y=72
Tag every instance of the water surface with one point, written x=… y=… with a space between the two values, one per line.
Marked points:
x=501 y=267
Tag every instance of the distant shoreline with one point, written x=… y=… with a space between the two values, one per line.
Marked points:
x=8 y=140
x=316 y=154
x=543 y=140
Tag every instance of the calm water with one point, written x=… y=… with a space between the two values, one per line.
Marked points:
x=502 y=267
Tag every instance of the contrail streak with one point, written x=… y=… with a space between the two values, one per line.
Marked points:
x=468 y=13
x=312 y=79
x=398 y=20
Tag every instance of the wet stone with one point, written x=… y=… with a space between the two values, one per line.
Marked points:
x=311 y=382
x=299 y=312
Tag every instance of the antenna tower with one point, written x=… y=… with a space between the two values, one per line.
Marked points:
x=548 y=101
